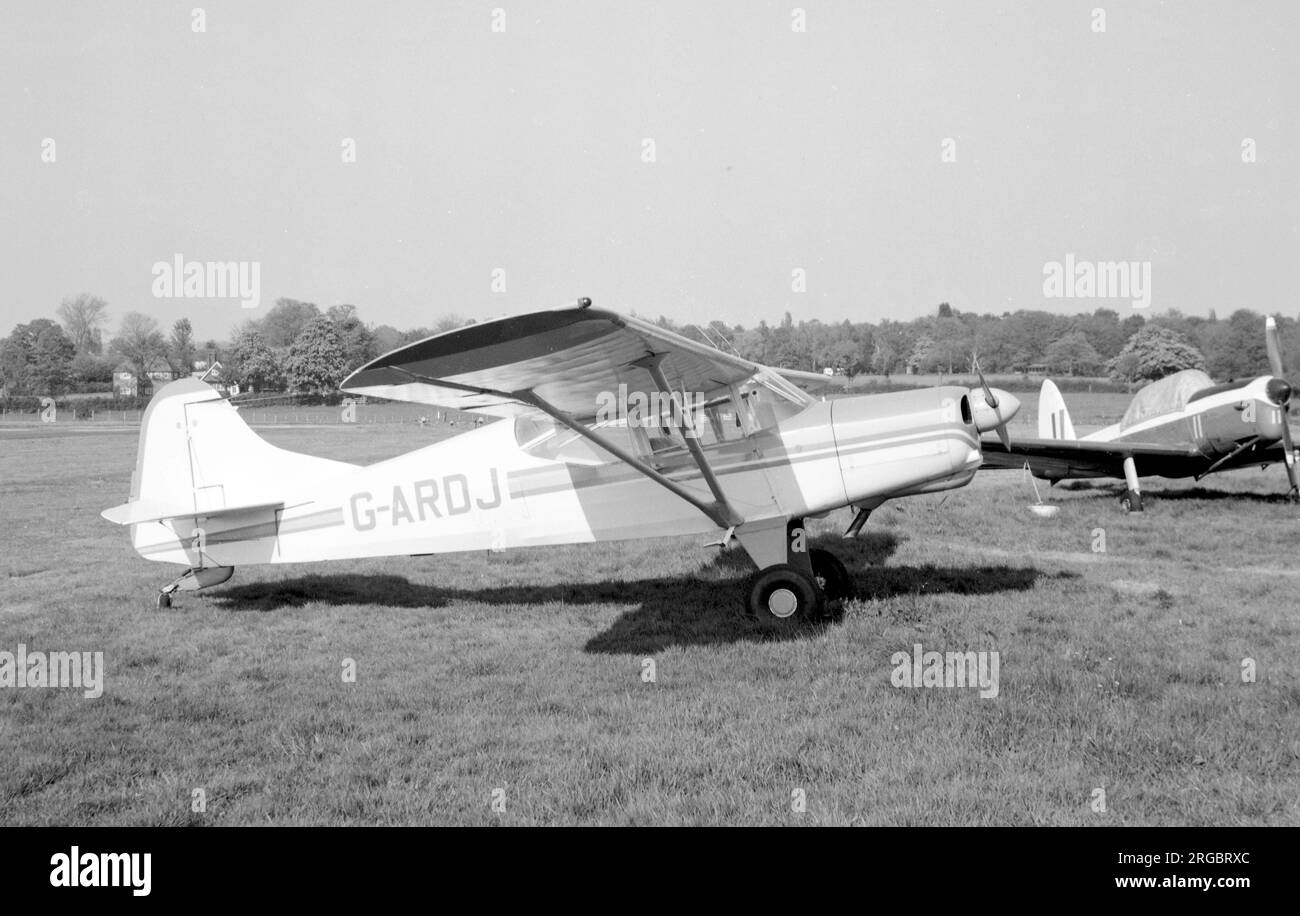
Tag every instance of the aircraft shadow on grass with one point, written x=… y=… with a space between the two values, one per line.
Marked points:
x=1109 y=490
x=697 y=610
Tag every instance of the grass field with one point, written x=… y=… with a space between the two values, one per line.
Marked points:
x=522 y=672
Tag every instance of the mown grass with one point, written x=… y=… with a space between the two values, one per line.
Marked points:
x=523 y=671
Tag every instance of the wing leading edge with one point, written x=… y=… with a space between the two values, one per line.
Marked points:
x=567 y=357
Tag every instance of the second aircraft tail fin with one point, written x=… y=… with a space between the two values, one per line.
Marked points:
x=1053 y=416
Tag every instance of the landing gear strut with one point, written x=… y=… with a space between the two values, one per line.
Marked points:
x=793 y=582
x=1131 y=501
x=191 y=581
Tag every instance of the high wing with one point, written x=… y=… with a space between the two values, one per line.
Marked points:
x=1062 y=458
x=568 y=363
x=566 y=357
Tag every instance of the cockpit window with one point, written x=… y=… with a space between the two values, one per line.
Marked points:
x=725 y=415
x=545 y=438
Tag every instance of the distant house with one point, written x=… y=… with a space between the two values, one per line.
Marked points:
x=126 y=385
x=212 y=370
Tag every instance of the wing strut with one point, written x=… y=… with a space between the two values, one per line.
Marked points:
x=651 y=365
x=720 y=512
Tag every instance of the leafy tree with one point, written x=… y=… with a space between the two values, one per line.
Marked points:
x=286 y=320
x=139 y=343
x=51 y=363
x=317 y=360
x=865 y=337
x=1028 y=334
x=90 y=368
x=453 y=321
x=1237 y=347
x=1103 y=331
x=994 y=349
x=883 y=358
x=181 y=348
x=384 y=339
x=923 y=358
x=1152 y=353
x=84 y=317
x=253 y=364
x=1072 y=353
x=843 y=354
x=15 y=361
x=18 y=357
x=952 y=344
x=752 y=344
x=896 y=341
x=353 y=335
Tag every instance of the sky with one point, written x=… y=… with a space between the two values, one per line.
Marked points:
x=800 y=156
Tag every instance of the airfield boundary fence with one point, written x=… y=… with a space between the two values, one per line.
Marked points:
x=324 y=415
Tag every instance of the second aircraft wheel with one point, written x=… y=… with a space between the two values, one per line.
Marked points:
x=830 y=573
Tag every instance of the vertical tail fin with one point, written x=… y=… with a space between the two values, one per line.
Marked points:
x=197 y=455
x=1053 y=417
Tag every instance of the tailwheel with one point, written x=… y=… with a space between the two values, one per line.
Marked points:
x=782 y=596
x=830 y=574
x=1131 y=501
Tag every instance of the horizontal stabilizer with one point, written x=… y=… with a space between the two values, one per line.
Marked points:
x=141 y=512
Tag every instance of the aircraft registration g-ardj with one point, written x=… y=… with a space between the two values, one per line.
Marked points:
x=710 y=443
x=1183 y=425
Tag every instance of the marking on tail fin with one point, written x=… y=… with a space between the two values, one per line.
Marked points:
x=1053 y=417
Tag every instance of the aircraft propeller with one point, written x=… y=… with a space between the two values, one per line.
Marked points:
x=1273 y=342
x=998 y=410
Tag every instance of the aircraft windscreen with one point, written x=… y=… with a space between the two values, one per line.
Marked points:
x=1168 y=395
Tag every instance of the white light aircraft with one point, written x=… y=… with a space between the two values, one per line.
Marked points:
x=612 y=429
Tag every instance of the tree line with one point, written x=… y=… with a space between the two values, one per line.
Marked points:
x=298 y=347
x=1129 y=349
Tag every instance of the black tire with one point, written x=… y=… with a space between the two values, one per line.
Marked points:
x=164 y=601
x=782 y=596
x=830 y=574
x=1131 y=501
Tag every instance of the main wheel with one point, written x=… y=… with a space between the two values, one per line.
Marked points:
x=782 y=596
x=1131 y=501
x=830 y=574
x=164 y=600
